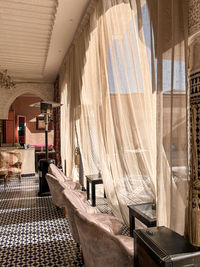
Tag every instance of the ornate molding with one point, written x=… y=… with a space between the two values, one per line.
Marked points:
x=194 y=17
x=194 y=54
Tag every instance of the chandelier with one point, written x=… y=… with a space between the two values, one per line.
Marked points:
x=5 y=80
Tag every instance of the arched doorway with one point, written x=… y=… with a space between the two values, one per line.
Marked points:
x=21 y=127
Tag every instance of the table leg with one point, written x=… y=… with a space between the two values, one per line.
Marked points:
x=88 y=190
x=132 y=224
x=104 y=194
x=93 y=195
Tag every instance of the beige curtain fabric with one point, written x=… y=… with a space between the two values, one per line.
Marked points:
x=123 y=125
x=172 y=139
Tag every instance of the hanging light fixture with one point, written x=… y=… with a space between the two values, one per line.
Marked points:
x=5 y=80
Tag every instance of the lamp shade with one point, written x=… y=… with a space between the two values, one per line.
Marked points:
x=42 y=104
x=45 y=108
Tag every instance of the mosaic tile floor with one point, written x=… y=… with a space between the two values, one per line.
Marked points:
x=33 y=232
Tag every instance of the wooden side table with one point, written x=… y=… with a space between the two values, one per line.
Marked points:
x=142 y=212
x=93 y=179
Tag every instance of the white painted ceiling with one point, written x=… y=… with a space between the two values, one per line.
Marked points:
x=35 y=36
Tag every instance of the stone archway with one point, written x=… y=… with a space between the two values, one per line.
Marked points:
x=44 y=91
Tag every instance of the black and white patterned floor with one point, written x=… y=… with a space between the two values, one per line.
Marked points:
x=33 y=232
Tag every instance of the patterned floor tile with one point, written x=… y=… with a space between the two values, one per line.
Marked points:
x=33 y=232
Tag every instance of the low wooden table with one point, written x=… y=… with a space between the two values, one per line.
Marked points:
x=93 y=179
x=142 y=212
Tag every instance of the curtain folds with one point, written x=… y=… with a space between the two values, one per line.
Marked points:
x=56 y=121
x=124 y=95
x=172 y=138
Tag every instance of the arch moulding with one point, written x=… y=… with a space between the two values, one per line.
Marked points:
x=44 y=90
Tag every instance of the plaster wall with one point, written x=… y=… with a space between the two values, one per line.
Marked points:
x=7 y=96
x=22 y=107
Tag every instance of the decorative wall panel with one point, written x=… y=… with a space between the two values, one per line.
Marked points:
x=57 y=122
x=194 y=16
x=194 y=196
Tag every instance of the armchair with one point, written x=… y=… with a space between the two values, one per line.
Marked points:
x=56 y=187
x=10 y=165
x=73 y=201
x=101 y=242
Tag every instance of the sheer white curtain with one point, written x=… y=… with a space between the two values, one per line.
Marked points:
x=111 y=74
x=172 y=139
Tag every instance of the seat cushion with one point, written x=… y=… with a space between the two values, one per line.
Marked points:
x=99 y=245
x=3 y=170
x=60 y=185
x=56 y=187
x=107 y=222
x=72 y=185
x=53 y=170
x=9 y=158
x=75 y=199
x=73 y=196
x=14 y=170
x=127 y=242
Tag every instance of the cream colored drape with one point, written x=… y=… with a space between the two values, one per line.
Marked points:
x=172 y=140
x=109 y=87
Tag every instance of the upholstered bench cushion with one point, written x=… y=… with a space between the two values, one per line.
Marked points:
x=73 y=196
x=60 y=185
x=101 y=247
x=74 y=201
x=127 y=243
x=56 y=187
x=107 y=222
x=53 y=170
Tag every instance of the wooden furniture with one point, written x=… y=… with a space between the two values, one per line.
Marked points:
x=142 y=212
x=162 y=247
x=93 y=179
x=27 y=158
